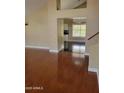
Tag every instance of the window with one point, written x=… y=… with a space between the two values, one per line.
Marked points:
x=79 y=30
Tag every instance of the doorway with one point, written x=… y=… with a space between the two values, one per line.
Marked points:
x=73 y=33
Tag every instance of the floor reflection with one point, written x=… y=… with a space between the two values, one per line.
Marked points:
x=57 y=73
x=71 y=72
x=75 y=47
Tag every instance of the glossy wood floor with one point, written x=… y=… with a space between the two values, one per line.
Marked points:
x=64 y=72
x=75 y=47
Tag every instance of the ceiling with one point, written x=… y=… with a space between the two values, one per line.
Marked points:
x=33 y=5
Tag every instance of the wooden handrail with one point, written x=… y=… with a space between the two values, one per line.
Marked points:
x=93 y=35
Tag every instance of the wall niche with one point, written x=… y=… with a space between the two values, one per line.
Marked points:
x=71 y=4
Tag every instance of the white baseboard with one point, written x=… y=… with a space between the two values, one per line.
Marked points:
x=54 y=51
x=94 y=70
x=40 y=47
x=37 y=47
x=61 y=49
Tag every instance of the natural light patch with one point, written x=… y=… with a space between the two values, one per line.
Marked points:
x=78 y=49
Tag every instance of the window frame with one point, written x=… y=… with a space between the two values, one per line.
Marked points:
x=79 y=36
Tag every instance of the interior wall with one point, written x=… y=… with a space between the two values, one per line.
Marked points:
x=69 y=24
x=91 y=13
x=42 y=30
x=36 y=33
x=92 y=17
x=92 y=46
x=60 y=28
x=94 y=56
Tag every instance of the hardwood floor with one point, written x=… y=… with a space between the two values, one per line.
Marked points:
x=75 y=47
x=64 y=72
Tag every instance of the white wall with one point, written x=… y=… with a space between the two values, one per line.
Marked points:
x=94 y=58
x=60 y=28
x=36 y=33
x=42 y=30
x=92 y=17
x=92 y=48
x=91 y=13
